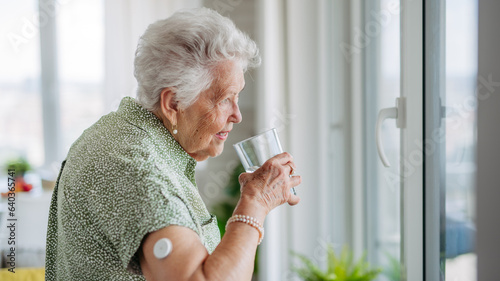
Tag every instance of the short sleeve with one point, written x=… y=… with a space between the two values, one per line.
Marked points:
x=130 y=200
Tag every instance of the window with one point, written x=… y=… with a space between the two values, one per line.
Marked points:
x=36 y=124
x=80 y=30
x=382 y=184
x=21 y=106
x=431 y=180
x=460 y=141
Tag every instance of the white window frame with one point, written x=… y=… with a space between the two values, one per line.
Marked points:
x=411 y=164
x=50 y=87
x=435 y=80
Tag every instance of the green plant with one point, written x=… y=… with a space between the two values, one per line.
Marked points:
x=339 y=268
x=19 y=165
x=393 y=271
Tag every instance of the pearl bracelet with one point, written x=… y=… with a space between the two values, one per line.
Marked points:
x=250 y=221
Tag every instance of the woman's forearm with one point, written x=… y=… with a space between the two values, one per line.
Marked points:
x=234 y=257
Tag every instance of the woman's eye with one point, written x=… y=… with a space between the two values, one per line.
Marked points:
x=224 y=101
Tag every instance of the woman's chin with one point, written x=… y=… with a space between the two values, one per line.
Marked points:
x=216 y=151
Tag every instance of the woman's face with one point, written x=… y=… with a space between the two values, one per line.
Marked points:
x=204 y=126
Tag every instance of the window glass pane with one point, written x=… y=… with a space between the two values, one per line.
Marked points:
x=80 y=33
x=382 y=74
x=461 y=72
x=389 y=205
x=80 y=27
x=21 y=132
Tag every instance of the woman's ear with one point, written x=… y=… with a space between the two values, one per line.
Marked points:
x=169 y=107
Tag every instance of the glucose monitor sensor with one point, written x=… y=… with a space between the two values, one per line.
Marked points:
x=162 y=248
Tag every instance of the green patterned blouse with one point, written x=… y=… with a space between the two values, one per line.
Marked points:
x=123 y=178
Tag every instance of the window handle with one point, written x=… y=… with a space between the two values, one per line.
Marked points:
x=398 y=113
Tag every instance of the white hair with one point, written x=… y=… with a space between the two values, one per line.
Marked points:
x=182 y=51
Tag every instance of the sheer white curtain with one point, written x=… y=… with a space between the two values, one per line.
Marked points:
x=273 y=111
x=126 y=20
x=304 y=84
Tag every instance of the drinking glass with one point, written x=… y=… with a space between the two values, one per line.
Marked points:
x=255 y=151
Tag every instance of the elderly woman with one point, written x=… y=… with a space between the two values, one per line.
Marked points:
x=126 y=205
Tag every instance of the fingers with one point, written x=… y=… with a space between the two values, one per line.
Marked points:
x=282 y=158
x=243 y=178
x=294 y=181
x=291 y=167
x=284 y=162
x=273 y=181
x=294 y=200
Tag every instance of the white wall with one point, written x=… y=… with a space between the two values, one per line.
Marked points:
x=488 y=141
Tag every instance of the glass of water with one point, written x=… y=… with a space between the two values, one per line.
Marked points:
x=255 y=151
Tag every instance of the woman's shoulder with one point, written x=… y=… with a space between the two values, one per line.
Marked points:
x=111 y=135
x=108 y=150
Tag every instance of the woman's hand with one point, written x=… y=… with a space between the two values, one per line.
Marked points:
x=270 y=185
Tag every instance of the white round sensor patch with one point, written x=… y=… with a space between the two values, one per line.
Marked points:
x=162 y=248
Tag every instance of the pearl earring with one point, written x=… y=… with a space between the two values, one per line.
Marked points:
x=174 y=129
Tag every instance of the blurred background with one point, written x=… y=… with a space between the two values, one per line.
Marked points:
x=328 y=68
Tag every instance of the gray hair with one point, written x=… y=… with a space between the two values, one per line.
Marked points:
x=182 y=51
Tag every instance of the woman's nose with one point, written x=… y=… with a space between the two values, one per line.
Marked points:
x=235 y=116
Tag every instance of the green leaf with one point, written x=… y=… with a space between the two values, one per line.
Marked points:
x=339 y=268
x=19 y=165
x=393 y=271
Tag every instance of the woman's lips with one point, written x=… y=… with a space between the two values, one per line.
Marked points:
x=222 y=135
